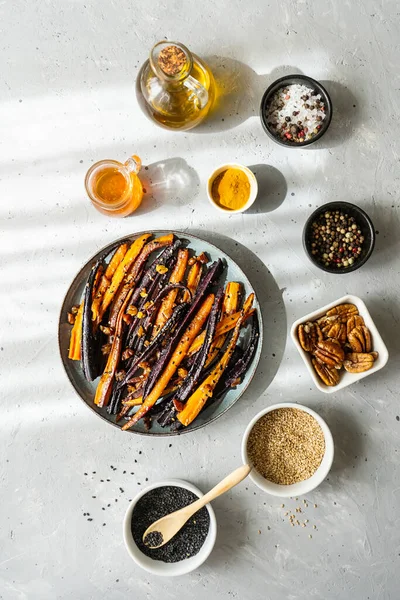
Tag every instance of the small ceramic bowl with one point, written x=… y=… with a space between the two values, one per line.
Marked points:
x=158 y=567
x=295 y=489
x=378 y=345
x=289 y=80
x=366 y=228
x=253 y=188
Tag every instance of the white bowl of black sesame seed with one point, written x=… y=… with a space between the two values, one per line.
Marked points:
x=189 y=548
x=290 y=448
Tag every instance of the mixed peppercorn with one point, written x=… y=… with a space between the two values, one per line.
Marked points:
x=336 y=239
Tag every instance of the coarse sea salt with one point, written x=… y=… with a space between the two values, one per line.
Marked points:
x=294 y=109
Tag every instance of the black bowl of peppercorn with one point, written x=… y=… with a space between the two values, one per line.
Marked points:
x=295 y=111
x=339 y=237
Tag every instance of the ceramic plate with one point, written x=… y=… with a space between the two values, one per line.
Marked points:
x=86 y=390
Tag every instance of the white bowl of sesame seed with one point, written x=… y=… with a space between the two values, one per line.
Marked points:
x=290 y=448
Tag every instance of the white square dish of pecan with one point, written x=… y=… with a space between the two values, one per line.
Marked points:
x=339 y=344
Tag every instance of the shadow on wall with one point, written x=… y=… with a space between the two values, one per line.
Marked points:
x=272 y=308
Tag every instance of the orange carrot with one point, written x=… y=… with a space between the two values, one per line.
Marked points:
x=223 y=327
x=194 y=276
x=106 y=281
x=104 y=387
x=168 y=302
x=74 y=352
x=177 y=357
x=200 y=396
x=121 y=271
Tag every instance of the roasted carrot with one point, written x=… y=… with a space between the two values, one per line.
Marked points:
x=168 y=302
x=134 y=271
x=106 y=281
x=231 y=298
x=194 y=277
x=139 y=400
x=177 y=357
x=224 y=326
x=133 y=401
x=121 y=271
x=198 y=399
x=104 y=387
x=97 y=279
x=230 y=305
x=74 y=352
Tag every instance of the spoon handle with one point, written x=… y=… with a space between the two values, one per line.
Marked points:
x=223 y=486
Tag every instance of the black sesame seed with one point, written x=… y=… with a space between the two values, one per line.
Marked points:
x=156 y=504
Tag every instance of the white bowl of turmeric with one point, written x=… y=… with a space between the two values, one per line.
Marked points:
x=232 y=188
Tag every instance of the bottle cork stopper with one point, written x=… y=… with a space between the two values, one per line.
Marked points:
x=171 y=60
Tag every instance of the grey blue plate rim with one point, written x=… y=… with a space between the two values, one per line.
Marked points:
x=72 y=297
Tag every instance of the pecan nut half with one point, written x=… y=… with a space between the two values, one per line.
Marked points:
x=325 y=323
x=353 y=322
x=344 y=311
x=358 y=362
x=329 y=352
x=337 y=331
x=329 y=376
x=309 y=335
x=360 y=339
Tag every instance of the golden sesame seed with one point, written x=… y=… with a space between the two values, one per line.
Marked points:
x=310 y=536
x=315 y=505
x=286 y=446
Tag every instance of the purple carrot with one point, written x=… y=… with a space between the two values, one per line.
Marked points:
x=193 y=377
x=211 y=276
x=177 y=314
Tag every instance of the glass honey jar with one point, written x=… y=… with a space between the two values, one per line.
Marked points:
x=115 y=188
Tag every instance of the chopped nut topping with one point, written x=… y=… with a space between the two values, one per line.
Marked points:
x=127 y=354
x=161 y=269
x=106 y=330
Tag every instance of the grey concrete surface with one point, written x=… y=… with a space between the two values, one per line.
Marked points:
x=67 y=99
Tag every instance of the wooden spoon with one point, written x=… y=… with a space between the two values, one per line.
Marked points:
x=165 y=528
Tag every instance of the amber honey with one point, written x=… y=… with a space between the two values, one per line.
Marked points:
x=115 y=188
x=111 y=186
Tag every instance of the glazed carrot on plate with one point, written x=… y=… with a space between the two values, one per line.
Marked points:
x=177 y=357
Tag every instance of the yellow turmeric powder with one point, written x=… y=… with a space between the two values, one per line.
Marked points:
x=231 y=189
